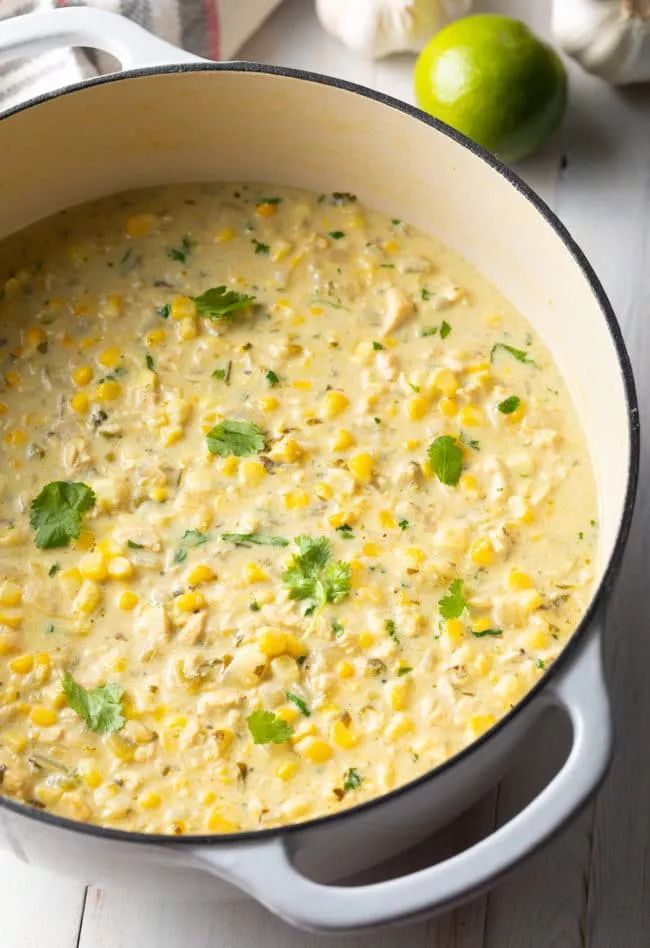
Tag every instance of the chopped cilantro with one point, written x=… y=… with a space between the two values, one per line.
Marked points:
x=445 y=329
x=336 y=234
x=164 y=310
x=268 y=200
x=391 y=629
x=223 y=374
x=346 y=531
x=132 y=545
x=403 y=670
x=403 y=524
x=235 y=437
x=540 y=663
x=446 y=459
x=425 y=294
x=518 y=354
x=254 y=606
x=470 y=442
x=54 y=569
x=479 y=635
x=299 y=703
x=416 y=388
x=259 y=246
x=453 y=604
x=57 y=513
x=218 y=302
x=429 y=330
x=271 y=378
x=352 y=780
x=99 y=708
x=261 y=539
x=377 y=346
x=150 y=363
x=181 y=253
x=313 y=576
x=337 y=628
x=267 y=728
x=189 y=539
x=508 y=405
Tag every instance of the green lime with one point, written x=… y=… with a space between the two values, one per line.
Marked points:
x=492 y=79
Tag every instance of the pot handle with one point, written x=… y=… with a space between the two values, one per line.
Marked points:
x=266 y=870
x=130 y=44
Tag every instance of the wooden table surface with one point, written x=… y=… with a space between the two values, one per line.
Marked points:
x=591 y=886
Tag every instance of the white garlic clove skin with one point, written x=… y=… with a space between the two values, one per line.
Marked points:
x=610 y=38
x=376 y=28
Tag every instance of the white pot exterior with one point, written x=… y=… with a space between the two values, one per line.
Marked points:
x=237 y=122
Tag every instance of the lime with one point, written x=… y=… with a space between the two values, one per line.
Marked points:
x=492 y=79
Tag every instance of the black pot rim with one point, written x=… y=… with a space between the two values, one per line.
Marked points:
x=613 y=566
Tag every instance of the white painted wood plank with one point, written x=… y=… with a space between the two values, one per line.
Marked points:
x=36 y=908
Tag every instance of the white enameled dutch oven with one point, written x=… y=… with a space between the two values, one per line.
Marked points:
x=191 y=120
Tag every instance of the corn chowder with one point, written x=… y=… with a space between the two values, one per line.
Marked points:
x=293 y=506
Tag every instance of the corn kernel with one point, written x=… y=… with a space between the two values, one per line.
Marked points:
x=482 y=552
x=324 y=491
x=266 y=209
x=190 y=601
x=519 y=412
x=295 y=498
x=471 y=416
x=400 y=725
x=93 y=566
x=448 y=407
x=110 y=357
x=361 y=466
x=108 y=391
x=91 y=777
x=150 y=800
x=119 y=567
x=251 y=472
x=85 y=541
x=201 y=573
x=528 y=515
x=371 y=549
x=417 y=407
x=531 y=600
x=469 y=484
x=287 y=450
x=343 y=736
x=445 y=381
x=480 y=723
x=398 y=693
x=387 y=520
x=218 y=823
x=224 y=235
x=294 y=646
x=345 y=669
x=79 y=403
x=366 y=639
x=182 y=307
x=343 y=440
x=87 y=598
x=22 y=664
x=518 y=580
x=334 y=404
x=230 y=466
x=416 y=554
x=254 y=574
x=155 y=337
x=482 y=624
x=159 y=494
x=17 y=438
x=287 y=771
x=43 y=717
x=268 y=404
x=454 y=629
x=10 y=594
x=303 y=385
x=187 y=329
x=12 y=378
x=314 y=749
x=35 y=337
x=138 y=225
x=272 y=642
x=288 y=713
x=538 y=640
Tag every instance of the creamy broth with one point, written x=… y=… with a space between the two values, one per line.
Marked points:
x=354 y=384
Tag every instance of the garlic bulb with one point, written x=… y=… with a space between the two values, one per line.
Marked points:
x=377 y=28
x=608 y=37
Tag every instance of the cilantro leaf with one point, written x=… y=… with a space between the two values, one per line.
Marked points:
x=446 y=459
x=259 y=246
x=262 y=539
x=518 y=354
x=164 y=310
x=54 y=569
x=425 y=293
x=352 y=780
x=453 y=604
x=181 y=253
x=271 y=378
x=268 y=200
x=391 y=629
x=299 y=703
x=479 y=635
x=337 y=628
x=429 y=330
x=378 y=346
x=313 y=577
x=346 y=531
x=132 y=545
x=267 y=728
x=218 y=302
x=403 y=524
x=223 y=374
x=100 y=708
x=445 y=329
x=508 y=405
x=57 y=513
x=189 y=539
x=404 y=670
x=336 y=234
x=233 y=436
x=151 y=365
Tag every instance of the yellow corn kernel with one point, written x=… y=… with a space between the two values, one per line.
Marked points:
x=531 y=600
x=482 y=624
x=272 y=642
x=91 y=777
x=10 y=594
x=254 y=574
x=218 y=823
x=302 y=385
x=288 y=450
x=324 y=491
x=471 y=416
x=87 y=599
x=287 y=771
x=22 y=664
x=12 y=618
x=187 y=329
x=17 y=438
x=400 y=725
x=398 y=693
x=361 y=466
x=8 y=642
x=119 y=567
x=48 y=794
x=42 y=660
x=82 y=375
x=43 y=717
x=341 y=518
x=268 y=404
x=528 y=515
x=448 y=407
x=230 y=466
x=454 y=629
x=121 y=746
x=35 y=337
x=366 y=639
x=469 y=484
x=479 y=723
x=265 y=209
x=208 y=797
x=387 y=520
x=314 y=749
x=190 y=601
x=334 y=403
x=182 y=307
x=138 y=225
x=110 y=357
x=108 y=391
x=518 y=580
x=201 y=573
x=149 y=800
x=3 y=408
x=85 y=541
x=159 y=494
x=343 y=440
x=93 y=566
x=251 y=472
x=119 y=665
x=288 y=713
x=79 y=403
x=538 y=640
x=445 y=381
x=155 y=336
x=518 y=413
x=390 y=246
x=172 y=436
x=345 y=669
x=224 y=235
x=12 y=378
x=295 y=498
x=294 y=646
x=113 y=304
x=482 y=552
x=417 y=407
x=343 y=736
x=416 y=554
x=371 y=549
